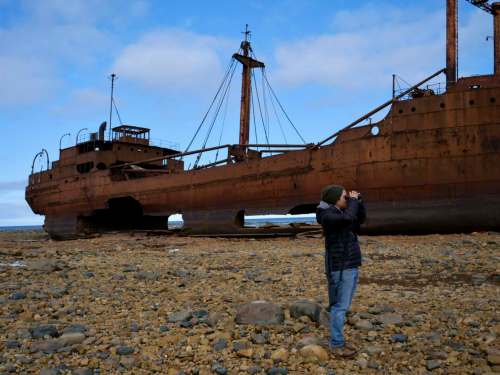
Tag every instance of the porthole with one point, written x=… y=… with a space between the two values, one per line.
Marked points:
x=413 y=109
x=400 y=111
x=442 y=105
x=492 y=100
x=119 y=148
x=375 y=130
x=471 y=102
x=131 y=149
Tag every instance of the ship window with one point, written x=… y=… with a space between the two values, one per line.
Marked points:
x=119 y=148
x=492 y=100
x=131 y=149
x=413 y=109
x=157 y=153
x=375 y=130
x=85 y=167
x=400 y=111
x=442 y=105
x=50 y=176
x=101 y=166
x=471 y=102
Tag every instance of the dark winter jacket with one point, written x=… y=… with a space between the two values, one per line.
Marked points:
x=340 y=228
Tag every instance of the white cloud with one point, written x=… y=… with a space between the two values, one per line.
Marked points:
x=51 y=36
x=370 y=45
x=84 y=103
x=173 y=59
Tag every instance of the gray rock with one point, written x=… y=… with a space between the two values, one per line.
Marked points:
x=124 y=350
x=88 y=274
x=381 y=308
x=180 y=316
x=71 y=338
x=129 y=268
x=118 y=277
x=46 y=265
x=23 y=333
x=47 y=346
x=363 y=325
x=12 y=344
x=42 y=330
x=260 y=338
x=147 y=275
x=17 y=296
x=432 y=364
x=260 y=313
x=220 y=344
x=373 y=350
x=311 y=340
x=75 y=328
x=219 y=369
x=239 y=345
x=83 y=371
x=389 y=318
x=399 y=337
x=305 y=308
x=277 y=371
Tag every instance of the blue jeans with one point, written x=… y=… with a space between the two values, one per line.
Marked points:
x=341 y=288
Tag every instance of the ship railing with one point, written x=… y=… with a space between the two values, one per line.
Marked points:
x=164 y=144
x=431 y=89
x=270 y=149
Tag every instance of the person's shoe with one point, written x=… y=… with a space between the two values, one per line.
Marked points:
x=343 y=352
x=348 y=345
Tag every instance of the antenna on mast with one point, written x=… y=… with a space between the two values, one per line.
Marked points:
x=112 y=77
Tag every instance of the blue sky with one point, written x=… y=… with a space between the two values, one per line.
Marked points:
x=328 y=61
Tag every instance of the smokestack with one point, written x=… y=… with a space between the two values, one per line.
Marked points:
x=451 y=42
x=496 y=35
x=102 y=129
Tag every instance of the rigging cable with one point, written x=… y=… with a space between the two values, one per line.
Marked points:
x=223 y=123
x=219 y=105
x=253 y=118
x=117 y=113
x=260 y=109
x=211 y=104
x=286 y=115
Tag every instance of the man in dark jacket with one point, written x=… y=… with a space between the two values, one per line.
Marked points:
x=340 y=214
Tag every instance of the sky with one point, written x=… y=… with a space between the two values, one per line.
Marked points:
x=328 y=62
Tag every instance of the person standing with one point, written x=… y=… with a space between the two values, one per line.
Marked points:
x=341 y=215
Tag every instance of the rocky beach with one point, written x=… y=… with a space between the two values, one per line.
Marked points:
x=134 y=303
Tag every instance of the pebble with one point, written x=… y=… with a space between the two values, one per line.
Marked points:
x=260 y=313
x=315 y=351
x=124 y=350
x=432 y=364
x=363 y=325
x=17 y=296
x=399 y=337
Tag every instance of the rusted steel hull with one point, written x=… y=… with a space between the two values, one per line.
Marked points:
x=433 y=167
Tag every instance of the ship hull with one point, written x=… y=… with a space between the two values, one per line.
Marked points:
x=432 y=167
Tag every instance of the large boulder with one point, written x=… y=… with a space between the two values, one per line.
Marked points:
x=312 y=310
x=260 y=313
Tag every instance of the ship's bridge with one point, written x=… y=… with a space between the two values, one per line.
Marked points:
x=131 y=134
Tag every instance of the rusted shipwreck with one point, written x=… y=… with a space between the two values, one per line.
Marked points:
x=431 y=165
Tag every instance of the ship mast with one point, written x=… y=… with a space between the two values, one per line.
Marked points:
x=246 y=86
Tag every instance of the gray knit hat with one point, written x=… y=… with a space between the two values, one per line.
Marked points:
x=331 y=193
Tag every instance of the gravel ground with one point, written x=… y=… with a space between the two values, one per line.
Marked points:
x=138 y=304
